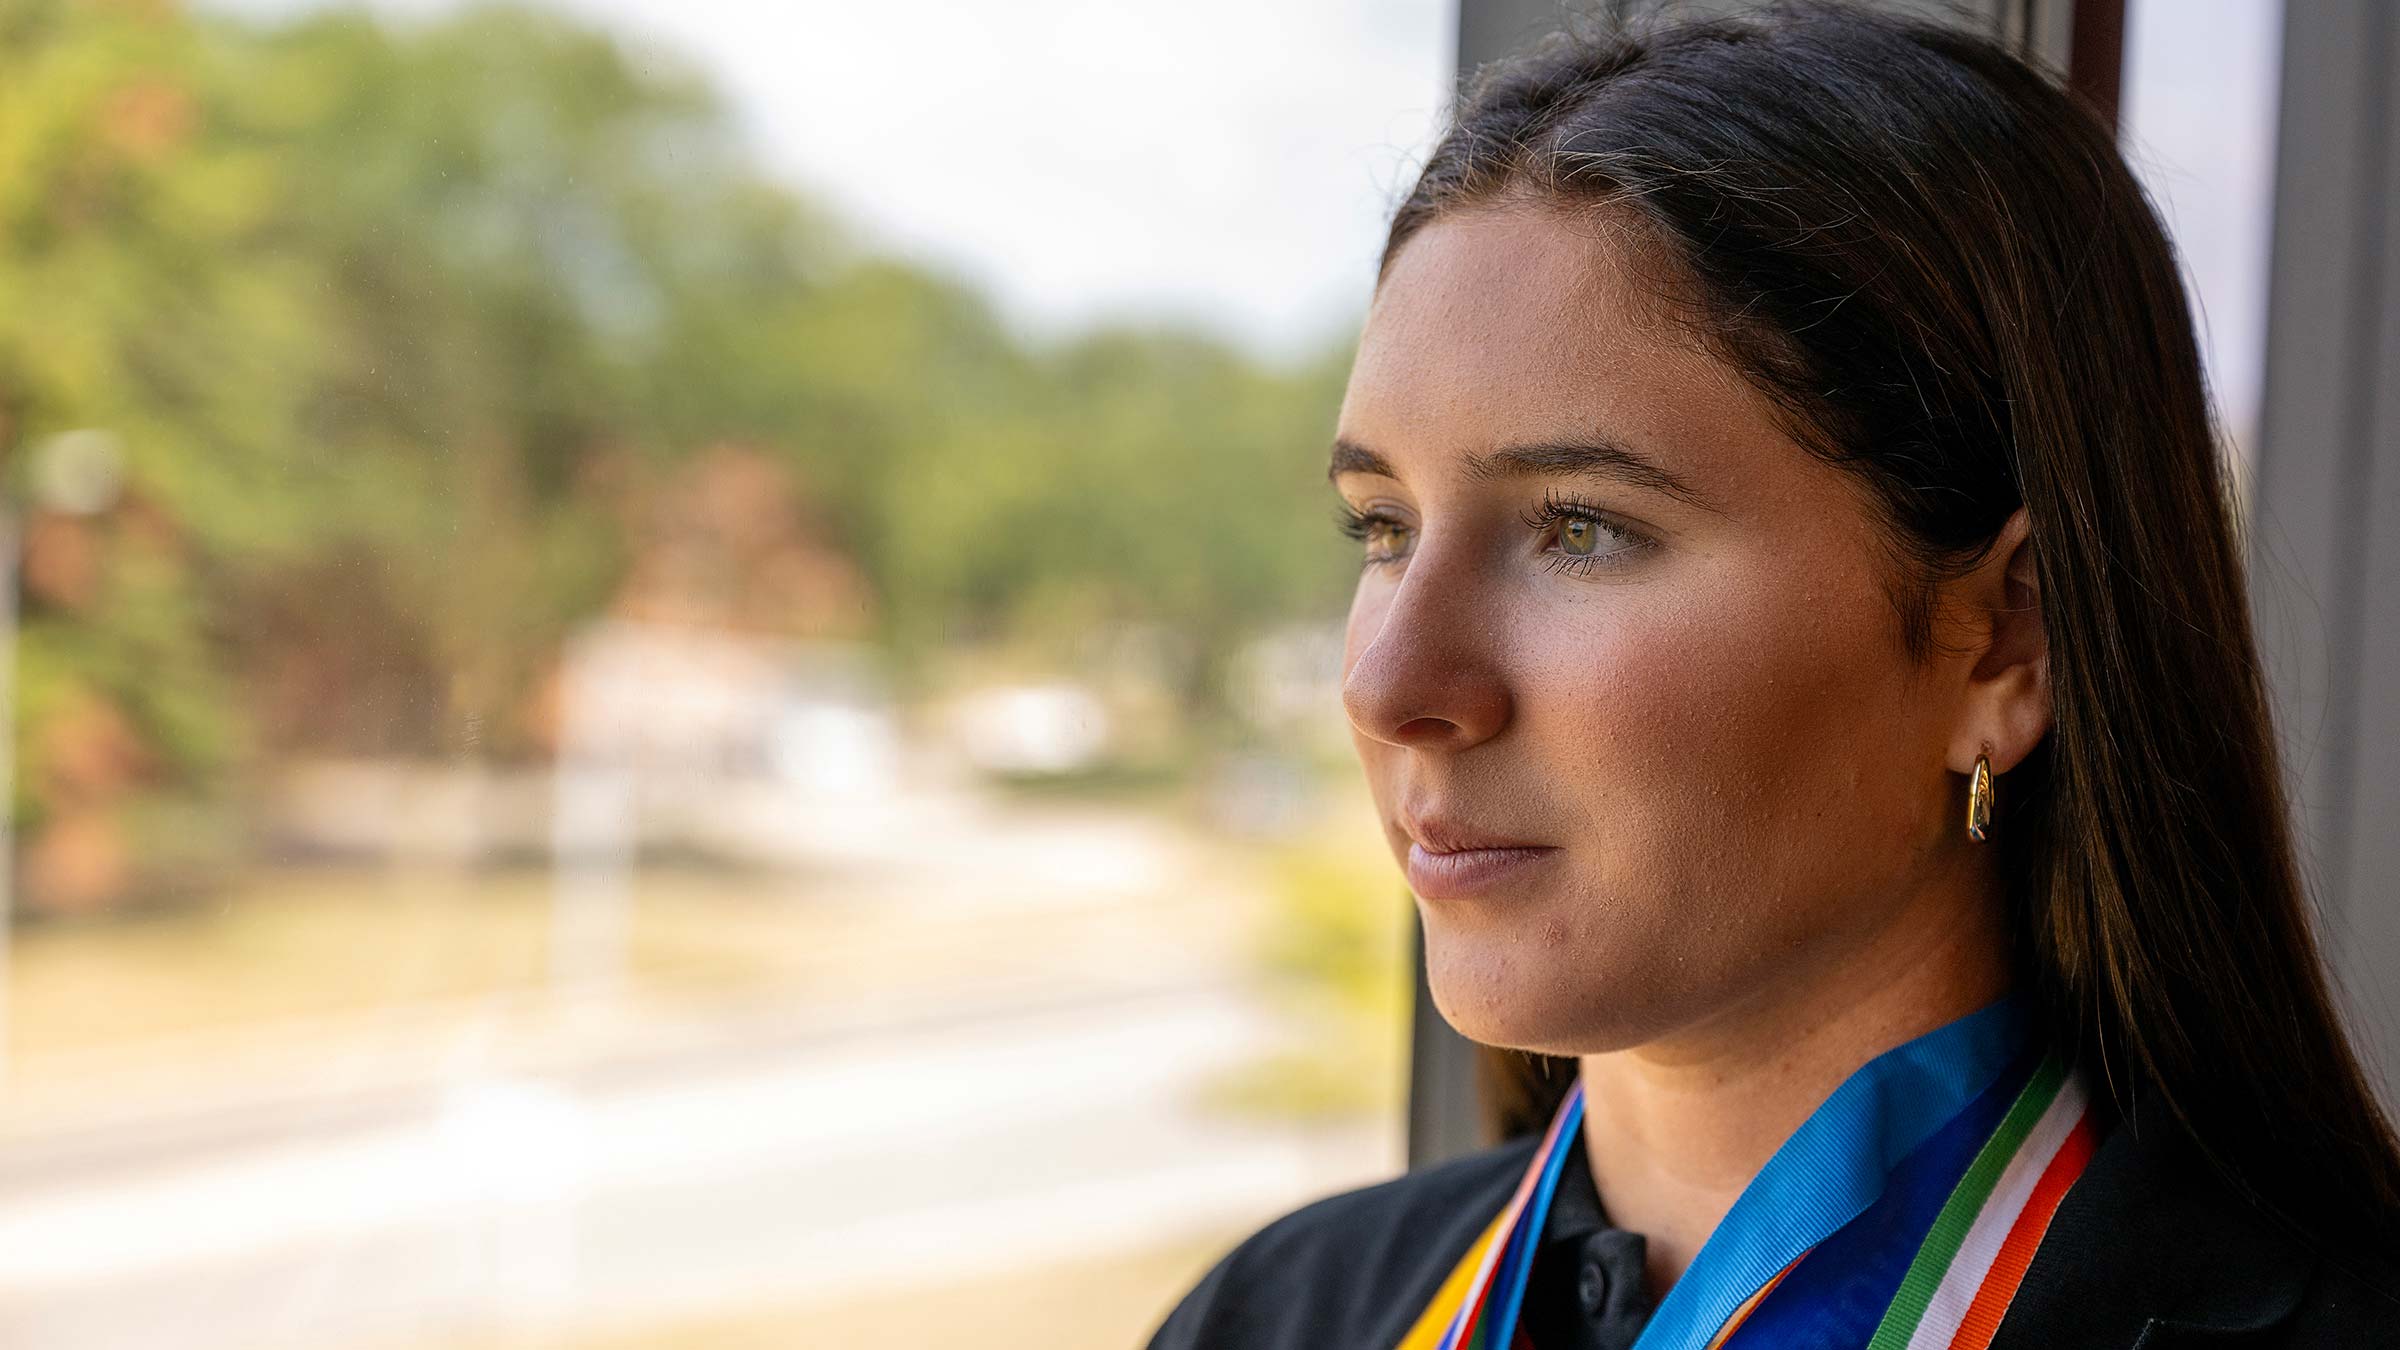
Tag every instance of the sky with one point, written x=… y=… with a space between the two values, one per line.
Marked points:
x=1231 y=164
x=1228 y=164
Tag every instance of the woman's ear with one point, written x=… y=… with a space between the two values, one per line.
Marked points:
x=2005 y=708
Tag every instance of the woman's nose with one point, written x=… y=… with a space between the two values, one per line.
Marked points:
x=1426 y=671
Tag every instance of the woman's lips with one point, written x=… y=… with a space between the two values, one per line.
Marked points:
x=1467 y=872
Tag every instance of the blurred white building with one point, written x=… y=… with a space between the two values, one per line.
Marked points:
x=750 y=748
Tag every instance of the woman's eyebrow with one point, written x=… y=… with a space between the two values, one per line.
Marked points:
x=1603 y=459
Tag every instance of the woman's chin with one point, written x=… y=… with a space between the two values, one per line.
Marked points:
x=1511 y=1005
x=1527 y=1017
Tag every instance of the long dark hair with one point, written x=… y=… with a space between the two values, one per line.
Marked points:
x=1939 y=267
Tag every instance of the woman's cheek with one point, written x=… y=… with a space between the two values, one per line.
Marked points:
x=1698 y=720
x=1652 y=692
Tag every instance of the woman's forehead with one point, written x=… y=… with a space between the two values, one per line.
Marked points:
x=1506 y=326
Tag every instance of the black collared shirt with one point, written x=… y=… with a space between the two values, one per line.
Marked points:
x=1358 y=1269
x=2148 y=1251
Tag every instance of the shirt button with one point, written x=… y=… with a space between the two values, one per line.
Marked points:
x=1592 y=1286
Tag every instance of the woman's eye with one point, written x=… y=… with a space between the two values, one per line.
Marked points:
x=1387 y=541
x=1386 y=537
x=1587 y=537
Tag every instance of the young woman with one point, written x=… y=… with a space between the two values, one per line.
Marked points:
x=1802 y=663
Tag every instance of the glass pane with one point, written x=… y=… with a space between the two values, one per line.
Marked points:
x=2201 y=82
x=674 y=664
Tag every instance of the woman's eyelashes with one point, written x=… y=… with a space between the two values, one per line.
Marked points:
x=1586 y=535
x=1369 y=526
x=1575 y=536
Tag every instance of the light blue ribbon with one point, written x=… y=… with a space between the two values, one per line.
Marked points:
x=1834 y=1165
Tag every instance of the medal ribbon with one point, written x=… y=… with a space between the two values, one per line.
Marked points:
x=1464 y=1313
x=1849 y=1252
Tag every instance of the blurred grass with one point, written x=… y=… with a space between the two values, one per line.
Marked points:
x=1333 y=944
x=284 y=946
x=326 y=946
x=1160 y=781
x=1320 y=922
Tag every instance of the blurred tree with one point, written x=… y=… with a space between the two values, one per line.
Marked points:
x=407 y=332
x=143 y=308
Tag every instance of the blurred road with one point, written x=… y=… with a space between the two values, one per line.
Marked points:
x=782 y=1173
x=984 y=1072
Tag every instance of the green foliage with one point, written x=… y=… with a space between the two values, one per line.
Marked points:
x=424 y=306
x=1340 y=927
x=1335 y=945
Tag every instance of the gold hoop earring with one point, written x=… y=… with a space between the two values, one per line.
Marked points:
x=1979 y=800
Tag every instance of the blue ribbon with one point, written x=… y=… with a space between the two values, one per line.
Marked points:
x=1837 y=1164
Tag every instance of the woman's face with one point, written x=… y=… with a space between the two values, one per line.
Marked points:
x=1609 y=610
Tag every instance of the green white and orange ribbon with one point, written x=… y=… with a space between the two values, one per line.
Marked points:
x=1836 y=1245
